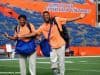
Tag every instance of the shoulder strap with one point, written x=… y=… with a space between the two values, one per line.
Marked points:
x=55 y=22
x=49 y=32
x=17 y=28
x=62 y=33
x=29 y=27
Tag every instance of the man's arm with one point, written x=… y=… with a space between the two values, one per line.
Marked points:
x=64 y=20
x=77 y=18
x=35 y=33
x=28 y=35
x=10 y=37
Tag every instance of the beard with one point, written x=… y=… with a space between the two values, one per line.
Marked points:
x=22 y=24
x=47 y=20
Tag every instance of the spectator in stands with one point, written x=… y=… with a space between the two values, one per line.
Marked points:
x=56 y=41
x=22 y=30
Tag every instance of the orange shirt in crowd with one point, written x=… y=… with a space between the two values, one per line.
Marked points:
x=24 y=30
x=56 y=41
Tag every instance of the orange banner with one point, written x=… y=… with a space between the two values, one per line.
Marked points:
x=68 y=10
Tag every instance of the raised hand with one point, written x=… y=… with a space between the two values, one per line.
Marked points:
x=82 y=15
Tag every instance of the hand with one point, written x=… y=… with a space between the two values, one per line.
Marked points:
x=6 y=35
x=38 y=38
x=16 y=36
x=82 y=15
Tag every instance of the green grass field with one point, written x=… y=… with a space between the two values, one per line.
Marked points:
x=74 y=66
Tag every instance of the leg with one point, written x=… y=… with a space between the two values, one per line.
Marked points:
x=54 y=63
x=22 y=64
x=32 y=64
x=61 y=58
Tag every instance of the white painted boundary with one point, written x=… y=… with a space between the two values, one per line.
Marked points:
x=12 y=73
x=75 y=69
x=48 y=57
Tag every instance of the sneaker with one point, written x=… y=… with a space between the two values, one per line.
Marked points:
x=55 y=72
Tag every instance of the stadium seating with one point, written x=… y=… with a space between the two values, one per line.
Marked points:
x=78 y=1
x=80 y=34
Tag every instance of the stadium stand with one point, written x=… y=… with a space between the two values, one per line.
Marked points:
x=80 y=34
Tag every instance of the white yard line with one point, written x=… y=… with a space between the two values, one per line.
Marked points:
x=7 y=59
x=81 y=56
x=84 y=70
x=79 y=62
x=75 y=69
x=49 y=68
x=48 y=57
x=70 y=57
x=13 y=73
